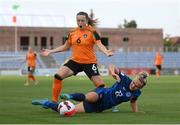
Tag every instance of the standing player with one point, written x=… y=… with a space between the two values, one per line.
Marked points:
x=158 y=63
x=82 y=40
x=31 y=65
x=100 y=99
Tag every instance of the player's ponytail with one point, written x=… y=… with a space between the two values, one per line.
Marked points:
x=92 y=22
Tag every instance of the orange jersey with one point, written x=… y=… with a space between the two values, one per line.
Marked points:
x=31 y=59
x=158 y=59
x=82 y=42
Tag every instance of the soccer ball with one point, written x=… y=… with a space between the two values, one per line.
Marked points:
x=66 y=108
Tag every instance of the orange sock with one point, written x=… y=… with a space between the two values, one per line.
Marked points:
x=29 y=78
x=56 y=89
x=33 y=78
x=158 y=74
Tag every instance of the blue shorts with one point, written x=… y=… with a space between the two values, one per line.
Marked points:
x=98 y=106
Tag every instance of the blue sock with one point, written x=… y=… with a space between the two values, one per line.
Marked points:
x=78 y=96
x=52 y=105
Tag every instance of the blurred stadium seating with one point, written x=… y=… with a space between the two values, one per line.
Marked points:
x=16 y=60
x=143 y=59
x=130 y=59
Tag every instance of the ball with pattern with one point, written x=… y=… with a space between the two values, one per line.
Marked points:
x=66 y=108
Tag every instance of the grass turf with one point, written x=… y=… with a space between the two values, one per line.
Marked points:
x=160 y=101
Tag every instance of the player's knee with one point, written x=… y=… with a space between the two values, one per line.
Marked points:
x=57 y=76
x=92 y=97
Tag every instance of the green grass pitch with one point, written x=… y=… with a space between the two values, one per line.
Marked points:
x=160 y=101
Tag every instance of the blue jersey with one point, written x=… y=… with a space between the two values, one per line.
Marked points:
x=109 y=97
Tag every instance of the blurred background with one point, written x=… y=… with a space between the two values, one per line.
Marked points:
x=135 y=30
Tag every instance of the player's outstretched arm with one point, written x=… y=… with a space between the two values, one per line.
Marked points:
x=134 y=106
x=113 y=71
x=103 y=49
x=46 y=52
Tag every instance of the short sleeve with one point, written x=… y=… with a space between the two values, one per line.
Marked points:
x=68 y=39
x=96 y=36
x=135 y=96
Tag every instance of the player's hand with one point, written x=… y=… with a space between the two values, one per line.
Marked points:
x=109 y=53
x=116 y=77
x=113 y=71
x=45 y=52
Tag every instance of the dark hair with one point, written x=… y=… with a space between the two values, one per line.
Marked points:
x=90 y=20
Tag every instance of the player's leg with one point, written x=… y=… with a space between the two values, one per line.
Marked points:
x=158 y=73
x=87 y=105
x=92 y=97
x=40 y=102
x=32 y=75
x=75 y=96
x=28 y=76
x=69 y=69
x=89 y=97
x=62 y=73
x=158 y=68
x=98 y=81
x=46 y=104
x=92 y=72
x=79 y=108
